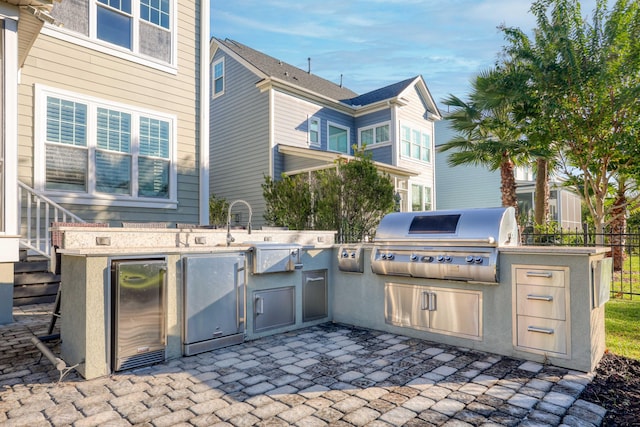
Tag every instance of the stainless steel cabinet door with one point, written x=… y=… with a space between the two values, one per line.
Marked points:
x=406 y=305
x=314 y=295
x=214 y=296
x=456 y=312
x=274 y=308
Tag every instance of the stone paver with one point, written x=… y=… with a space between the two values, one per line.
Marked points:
x=321 y=375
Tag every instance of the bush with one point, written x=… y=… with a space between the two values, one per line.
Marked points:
x=350 y=198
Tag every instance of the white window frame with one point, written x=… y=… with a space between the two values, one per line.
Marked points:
x=338 y=126
x=424 y=190
x=91 y=196
x=317 y=120
x=375 y=133
x=94 y=43
x=215 y=94
x=422 y=131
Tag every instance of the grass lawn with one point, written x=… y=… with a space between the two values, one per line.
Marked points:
x=622 y=325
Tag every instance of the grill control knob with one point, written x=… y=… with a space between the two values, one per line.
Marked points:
x=447 y=258
x=390 y=256
x=440 y=258
x=478 y=260
x=469 y=258
x=353 y=254
x=345 y=254
x=413 y=257
x=383 y=256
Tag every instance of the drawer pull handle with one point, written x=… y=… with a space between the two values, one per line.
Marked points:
x=540 y=297
x=545 y=274
x=547 y=331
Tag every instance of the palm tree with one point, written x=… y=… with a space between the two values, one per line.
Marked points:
x=487 y=133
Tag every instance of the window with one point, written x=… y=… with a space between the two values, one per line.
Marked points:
x=378 y=134
x=96 y=149
x=156 y=12
x=143 y=28
x=218 y=77
x=338 y=138
x=420 y=198
x=114 y=22
x=415 y=144
x=416 y=198
x=314 y=131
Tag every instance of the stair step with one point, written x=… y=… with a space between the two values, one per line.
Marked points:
x=34 y=294
x=31 y=266
x=34 y=278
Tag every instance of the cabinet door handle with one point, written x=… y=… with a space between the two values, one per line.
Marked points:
x=547 y=331
x=540 y=297
x=425 y=300
x=433 y=301
x=259 y=302
x=545 y=274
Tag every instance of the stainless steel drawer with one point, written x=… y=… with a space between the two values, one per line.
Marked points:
x=544 y=335
x=541 y=301
x=540 y=276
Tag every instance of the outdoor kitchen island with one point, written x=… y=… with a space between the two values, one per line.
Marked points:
x=136 y=296
x=546 y=304
x=460 y=277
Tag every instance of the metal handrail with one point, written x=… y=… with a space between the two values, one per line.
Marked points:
x=37 y=212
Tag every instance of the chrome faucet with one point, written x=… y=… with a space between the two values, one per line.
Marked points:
x=229 y=237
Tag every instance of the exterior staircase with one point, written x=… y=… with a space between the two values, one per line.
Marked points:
x=34 y=282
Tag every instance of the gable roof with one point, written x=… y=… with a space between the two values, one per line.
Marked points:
x=381 y=94
x=269 y=67
x=272 y=67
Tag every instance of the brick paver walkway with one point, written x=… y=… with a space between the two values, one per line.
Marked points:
x=324 y=375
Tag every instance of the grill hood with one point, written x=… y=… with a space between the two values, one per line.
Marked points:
x=488 y=227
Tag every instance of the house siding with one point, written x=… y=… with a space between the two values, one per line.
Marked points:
x=239 y=129
x=371 y=119
x=291 y=116
x=414 y=114
x=58 y=64
x=384 y=153
x=466 y=186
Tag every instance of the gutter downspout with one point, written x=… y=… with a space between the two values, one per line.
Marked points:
x=205 y=12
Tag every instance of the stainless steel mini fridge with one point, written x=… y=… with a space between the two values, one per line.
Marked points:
x=138 y=297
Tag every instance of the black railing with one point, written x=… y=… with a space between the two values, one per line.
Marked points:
x=625 y=251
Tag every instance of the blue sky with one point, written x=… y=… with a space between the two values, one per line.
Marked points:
x=373 y=43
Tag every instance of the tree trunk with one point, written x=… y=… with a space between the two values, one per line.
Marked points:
x=541 y=208
x=508 y=183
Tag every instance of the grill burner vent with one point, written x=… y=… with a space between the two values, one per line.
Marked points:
x=451 y=245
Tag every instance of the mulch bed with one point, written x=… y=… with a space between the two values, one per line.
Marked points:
x=616 y=387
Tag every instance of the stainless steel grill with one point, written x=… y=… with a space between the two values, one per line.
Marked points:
x=451 y=245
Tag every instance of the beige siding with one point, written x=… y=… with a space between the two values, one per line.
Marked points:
x=413 y=114
x=62 y=65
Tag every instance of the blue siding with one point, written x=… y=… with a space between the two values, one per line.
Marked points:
x=373 y=118
x=463 y=186
x=334 y=117
x=382 y=154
